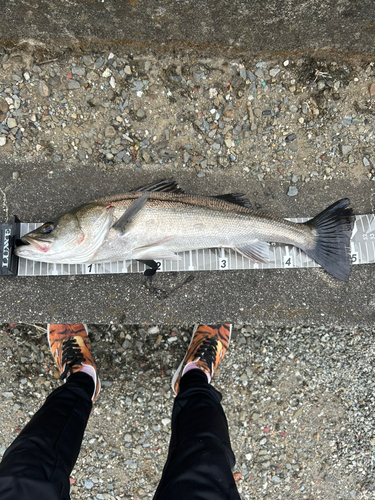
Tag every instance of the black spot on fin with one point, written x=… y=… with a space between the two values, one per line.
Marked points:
x=235 y=198
x=163 y=186
x=258 y=252
x=153 y=267
x=332 y=248
x=130 y=212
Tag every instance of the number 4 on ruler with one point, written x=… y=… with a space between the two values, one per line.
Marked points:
x=288 y=261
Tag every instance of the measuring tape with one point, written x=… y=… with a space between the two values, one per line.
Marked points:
x=362 y=251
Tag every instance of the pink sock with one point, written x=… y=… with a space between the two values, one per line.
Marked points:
x=90 y=371
x=193 y=366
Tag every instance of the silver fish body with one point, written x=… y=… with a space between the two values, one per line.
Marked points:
x=168 y=223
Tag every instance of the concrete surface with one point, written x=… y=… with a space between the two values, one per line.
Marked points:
x=211 y=27
x=214 y=26
x=271 y=297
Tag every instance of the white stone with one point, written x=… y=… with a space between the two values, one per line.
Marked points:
x=106 y=73
x=11 y=123
x=3 y=141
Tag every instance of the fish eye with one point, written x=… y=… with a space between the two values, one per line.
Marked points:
x=48 y=227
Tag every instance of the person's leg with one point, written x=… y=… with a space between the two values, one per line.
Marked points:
x=38 y=463
x=200 y=457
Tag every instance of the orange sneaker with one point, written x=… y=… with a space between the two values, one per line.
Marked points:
x=71 y=349
x=207 y=348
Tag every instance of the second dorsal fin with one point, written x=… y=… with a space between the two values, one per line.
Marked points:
x=235 y=198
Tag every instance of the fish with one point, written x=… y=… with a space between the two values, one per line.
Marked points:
x=159 y=220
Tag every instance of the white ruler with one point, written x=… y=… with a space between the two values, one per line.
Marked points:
x=362 y=247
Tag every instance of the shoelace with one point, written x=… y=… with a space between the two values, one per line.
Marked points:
x=207 y=351
x=71 y=356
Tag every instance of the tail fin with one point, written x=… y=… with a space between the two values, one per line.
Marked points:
x=333 y=228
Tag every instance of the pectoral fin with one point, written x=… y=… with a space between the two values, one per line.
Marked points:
x=259 y=252
x=130 y=213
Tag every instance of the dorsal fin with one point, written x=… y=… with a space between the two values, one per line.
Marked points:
x=235 y=198
x=163 y=186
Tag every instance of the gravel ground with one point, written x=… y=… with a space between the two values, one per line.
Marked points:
x=292 y=119
x=300 y=405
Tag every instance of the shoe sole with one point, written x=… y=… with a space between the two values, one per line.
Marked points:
x=175 y=376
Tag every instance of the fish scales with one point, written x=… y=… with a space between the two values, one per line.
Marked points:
x=192 y=222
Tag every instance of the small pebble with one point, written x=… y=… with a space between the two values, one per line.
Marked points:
x=346 y=149
x=110 y=132
x=78 y=70
x=43 y=89
x=12 y=123
x=292 y=191
x=88 y=484
x=274 y=71
x=141 y=114
x=56 y=158
x=73 y=85
x=290 y=137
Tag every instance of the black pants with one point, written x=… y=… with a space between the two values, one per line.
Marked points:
x=38 y=463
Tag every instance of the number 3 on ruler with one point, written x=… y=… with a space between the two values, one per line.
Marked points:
x=223 y=263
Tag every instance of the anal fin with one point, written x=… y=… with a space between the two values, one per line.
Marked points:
x=258 y=252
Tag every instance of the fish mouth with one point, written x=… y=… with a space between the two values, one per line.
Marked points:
x=32 y=244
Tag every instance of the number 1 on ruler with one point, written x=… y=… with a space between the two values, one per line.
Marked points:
x=90 y=268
